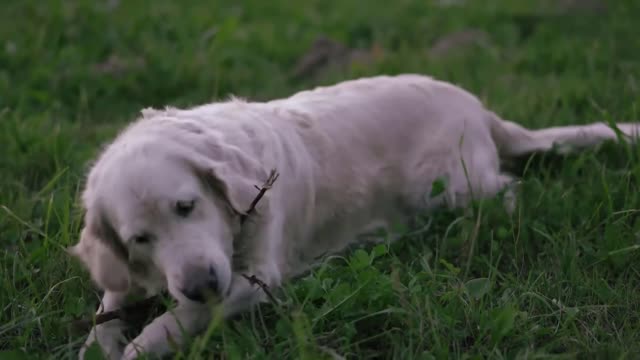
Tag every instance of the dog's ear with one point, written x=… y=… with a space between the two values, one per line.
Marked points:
x=107 y=267
x=235 y=177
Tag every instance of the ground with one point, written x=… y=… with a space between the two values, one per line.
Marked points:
x=557 y=279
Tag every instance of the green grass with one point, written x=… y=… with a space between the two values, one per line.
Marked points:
x=558 y=279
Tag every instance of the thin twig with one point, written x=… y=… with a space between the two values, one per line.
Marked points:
x=273 y=176
x=253 y=280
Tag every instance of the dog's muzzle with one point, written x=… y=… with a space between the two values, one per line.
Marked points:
x=200 y=283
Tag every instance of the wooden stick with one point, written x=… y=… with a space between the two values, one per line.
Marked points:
x=253 y=280
x=128 y=313
x=273 y=176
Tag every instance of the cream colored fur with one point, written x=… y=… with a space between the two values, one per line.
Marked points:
x=351 y=157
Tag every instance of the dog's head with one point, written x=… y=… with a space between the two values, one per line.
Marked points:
x=164 y=213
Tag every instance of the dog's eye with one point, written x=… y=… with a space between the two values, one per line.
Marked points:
x=142 y=239
x=184 y=207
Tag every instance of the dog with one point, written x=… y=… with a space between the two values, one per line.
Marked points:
x=163 y=203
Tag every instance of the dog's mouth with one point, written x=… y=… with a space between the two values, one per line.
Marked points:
x=138 y=267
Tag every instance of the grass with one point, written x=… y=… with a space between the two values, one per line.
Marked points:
x=558 y=279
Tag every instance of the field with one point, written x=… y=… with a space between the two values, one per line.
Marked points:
x=558 y=279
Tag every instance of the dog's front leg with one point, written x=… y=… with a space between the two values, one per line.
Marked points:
x=189 y=318
x=168 y=330
x=108 y=335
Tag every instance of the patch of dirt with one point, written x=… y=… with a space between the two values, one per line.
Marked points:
x=327 y=54
x=115 y=65
x=459 y=40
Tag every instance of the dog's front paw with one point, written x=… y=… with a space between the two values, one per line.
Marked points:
x=109 y=339
x=133 y=350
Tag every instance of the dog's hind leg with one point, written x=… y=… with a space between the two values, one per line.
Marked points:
x=509 y=189
x=489 y=186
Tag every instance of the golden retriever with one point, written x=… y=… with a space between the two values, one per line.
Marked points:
x=164 y=201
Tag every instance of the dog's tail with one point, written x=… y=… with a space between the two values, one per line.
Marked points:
x=514 y=140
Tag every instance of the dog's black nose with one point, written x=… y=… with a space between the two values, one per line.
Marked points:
x=200 y=284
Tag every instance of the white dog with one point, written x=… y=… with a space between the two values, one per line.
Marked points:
x=164 y=200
